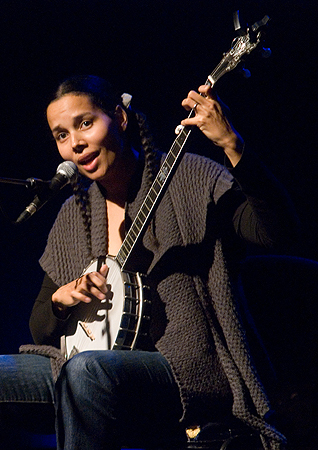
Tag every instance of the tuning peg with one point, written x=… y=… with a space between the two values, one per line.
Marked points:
x=260 y=23
x=238 y=27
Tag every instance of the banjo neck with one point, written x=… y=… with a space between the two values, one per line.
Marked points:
x=121 y=321
x=153 y=197
x=242 y=45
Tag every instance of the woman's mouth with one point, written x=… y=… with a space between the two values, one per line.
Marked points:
x=89 y=161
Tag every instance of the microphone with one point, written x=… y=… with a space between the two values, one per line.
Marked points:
x=65 y=173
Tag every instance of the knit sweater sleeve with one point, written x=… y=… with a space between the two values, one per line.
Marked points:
x=267 y=216
x=46 y=328
x=251 y=205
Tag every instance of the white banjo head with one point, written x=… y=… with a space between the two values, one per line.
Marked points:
x=111 y=323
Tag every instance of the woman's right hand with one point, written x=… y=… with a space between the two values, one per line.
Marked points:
x=90 y=285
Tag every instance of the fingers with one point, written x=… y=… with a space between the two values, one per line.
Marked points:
x=104 y=270
x=204 y=105
x=207 y=91
x=91 y=285
x=191 y=101
x=194 y=99
x=201 y=104
x=210 y=118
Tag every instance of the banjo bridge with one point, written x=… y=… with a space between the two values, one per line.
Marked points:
x=87 y=330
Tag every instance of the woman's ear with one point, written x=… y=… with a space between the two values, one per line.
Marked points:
x=121 y=118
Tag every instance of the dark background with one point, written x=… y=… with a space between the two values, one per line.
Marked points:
x=158 y=51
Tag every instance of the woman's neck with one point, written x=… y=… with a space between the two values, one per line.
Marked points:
x=117 y=183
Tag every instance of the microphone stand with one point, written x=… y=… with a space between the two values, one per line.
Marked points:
x=33 y=184
x=29 y=183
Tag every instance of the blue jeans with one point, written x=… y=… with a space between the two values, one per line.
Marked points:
x=108 y=399
x=104 y=400
x=26 y=398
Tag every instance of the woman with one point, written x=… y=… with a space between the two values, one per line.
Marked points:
x=195 y=365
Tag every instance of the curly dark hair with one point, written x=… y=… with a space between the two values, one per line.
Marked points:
x=104 y=96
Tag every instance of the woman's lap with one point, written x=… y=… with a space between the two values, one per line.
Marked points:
x=129 y=395
x=116 y=395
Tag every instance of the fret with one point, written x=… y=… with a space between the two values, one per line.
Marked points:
x=169 y=161
x=152 y=194
x=156 y=185
x=165 y=168
x=182 y=137
x=144 y=211
x=176 y=142
x=129 y=240
x=133 y=234
x=138 y=223
x=148 y=202
x=126 y=247
x=122 y=255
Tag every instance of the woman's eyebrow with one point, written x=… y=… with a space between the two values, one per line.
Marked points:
x=76 y=120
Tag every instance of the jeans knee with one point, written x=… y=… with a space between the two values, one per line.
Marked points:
x=84 y=384
x=84 y=371
x=78 y=367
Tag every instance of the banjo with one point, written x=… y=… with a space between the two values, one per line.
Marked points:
x=121 y=320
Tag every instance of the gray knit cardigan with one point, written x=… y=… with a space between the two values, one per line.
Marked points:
x=203 y=339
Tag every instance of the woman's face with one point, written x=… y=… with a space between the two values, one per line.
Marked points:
x=86 y=135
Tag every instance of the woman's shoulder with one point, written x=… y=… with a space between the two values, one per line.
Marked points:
x=68 y=204
x=203 y=166
x=71 y=202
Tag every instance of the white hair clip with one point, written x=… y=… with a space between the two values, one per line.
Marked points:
x=126 y=99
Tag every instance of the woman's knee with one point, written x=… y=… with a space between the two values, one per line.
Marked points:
x=86 y=369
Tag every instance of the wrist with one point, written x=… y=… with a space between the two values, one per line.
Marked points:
x=57 y=306
x=234 y=149
x=60 y=311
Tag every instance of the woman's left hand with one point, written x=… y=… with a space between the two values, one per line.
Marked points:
x=212 y=121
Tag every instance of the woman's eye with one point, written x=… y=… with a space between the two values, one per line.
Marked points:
x=61 y=136
x=86 y=123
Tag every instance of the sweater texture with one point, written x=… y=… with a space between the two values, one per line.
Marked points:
x=199 y=331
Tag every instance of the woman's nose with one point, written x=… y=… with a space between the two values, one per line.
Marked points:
x=78 y=143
